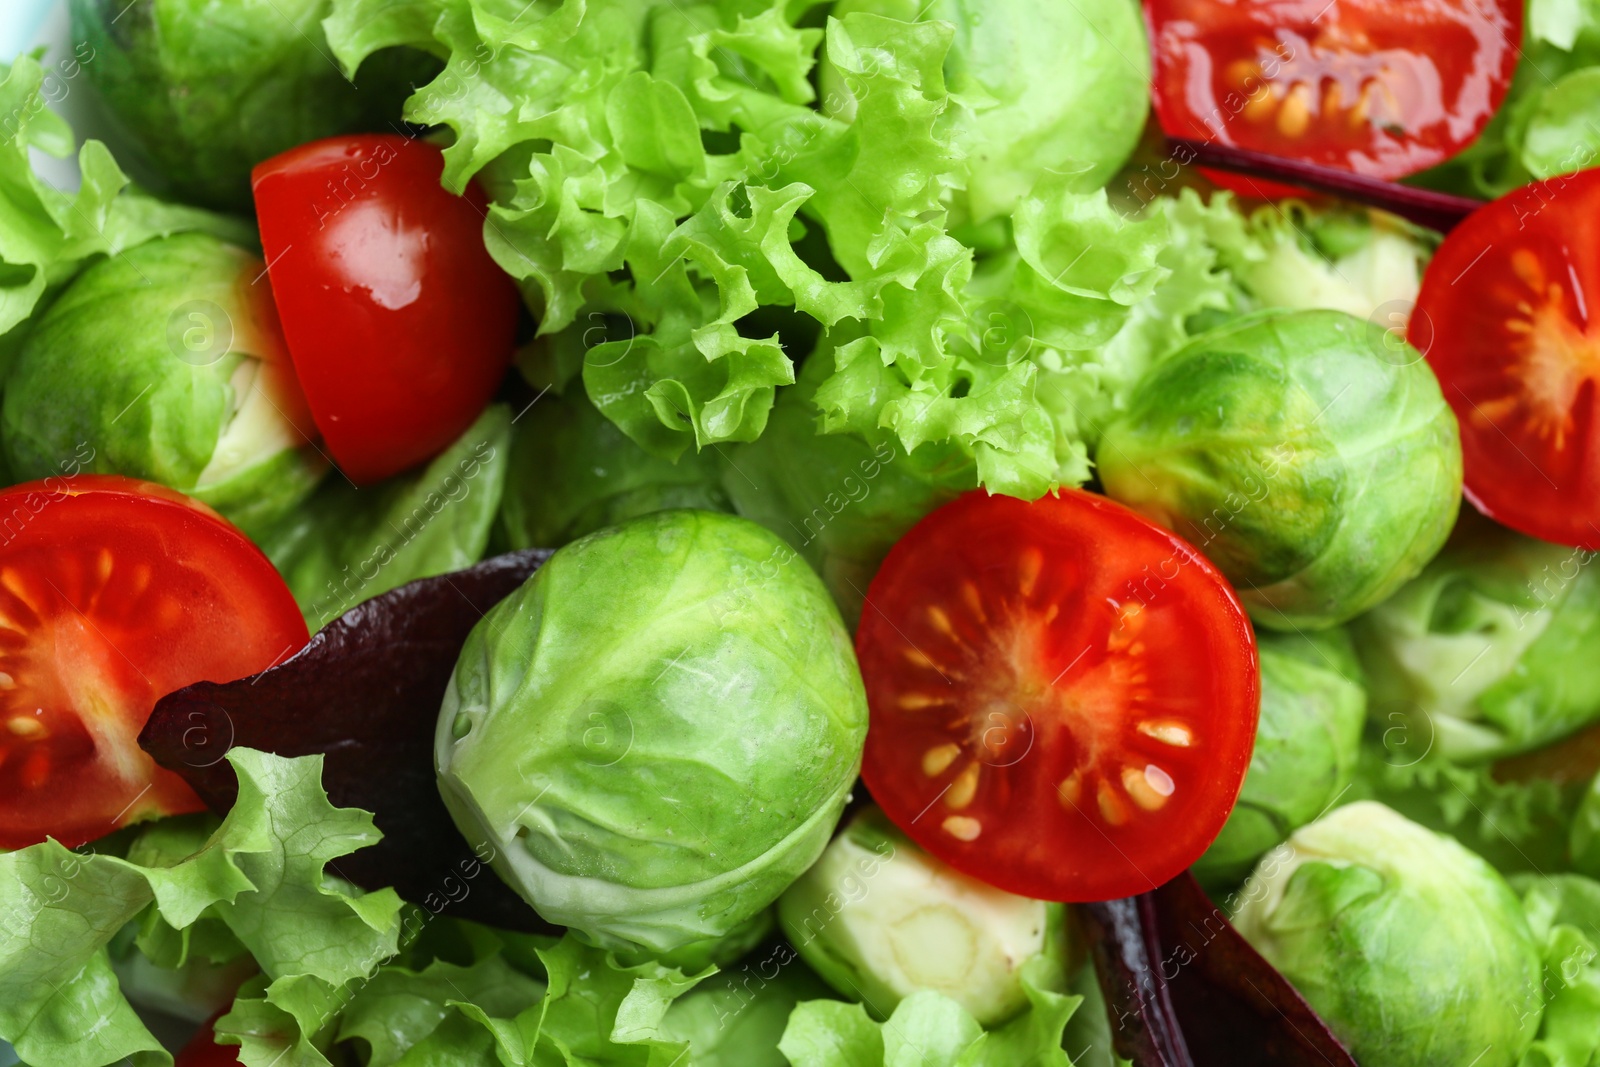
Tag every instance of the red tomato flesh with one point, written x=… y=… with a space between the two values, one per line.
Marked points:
x=113 y=593
x=1505 y=319
x=399 y=322
x=1063 y=695
x=1382 y=89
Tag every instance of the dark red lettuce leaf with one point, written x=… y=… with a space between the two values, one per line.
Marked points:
x=365 y=692
x=1183 y=989
x=1425 y=207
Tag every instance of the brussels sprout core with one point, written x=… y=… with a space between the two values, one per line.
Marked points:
x=657 y=732
x=879 y=919
x=257 y=426
x=1414 y=950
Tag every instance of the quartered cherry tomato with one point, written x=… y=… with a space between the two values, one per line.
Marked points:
x=399 y=323
x=1507 y=320
x=1382 y=89
x=1063 y=695
x=113 y=593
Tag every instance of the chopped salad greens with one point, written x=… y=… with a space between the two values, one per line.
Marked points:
x=746 y=533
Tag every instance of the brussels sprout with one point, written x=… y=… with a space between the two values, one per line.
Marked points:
x=657 y=732
x=204 y=91
x=572 y=472
x=1414 y=950
x=1317 y=473
x=1488 y=651
x=879 y=919
x=1313 y=709
x=166 y=363
x=839 y=499
x=1042 y=87
x=348 y=544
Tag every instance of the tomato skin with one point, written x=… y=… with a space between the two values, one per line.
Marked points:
x=1505 y=318
x=1379 y=89
x=113 y=593
x=1063 y=695
x=399 y=323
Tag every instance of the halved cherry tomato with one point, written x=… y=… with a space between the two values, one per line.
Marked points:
x=1382 y=89
x=1506 y=317
x=399 y=323
x=113 y=593
x=1063 y=695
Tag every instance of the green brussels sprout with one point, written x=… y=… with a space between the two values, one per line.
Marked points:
x=1041 y=86
x=205 y=91
x=1413 y=949
x=878 y=918
x=572 y=472
x=1488 y=651
x=658 y=731
x=166 y=363
x=841 y=500
x=1308 y=739
x=1318 y=473
x=347 y=543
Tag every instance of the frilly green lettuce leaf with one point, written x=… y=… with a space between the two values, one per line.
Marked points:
x=262 y=873
x=562 y=1004
x=1564 y=913
x=400 y=1013
x=931 y=1030
x=737 y=1018
x=1358 y=260
x=654 y=169
x=1515 y=825
x=399 y=1007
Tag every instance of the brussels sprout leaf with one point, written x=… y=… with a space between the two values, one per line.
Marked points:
x=1185 y=990
x=365 y=693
